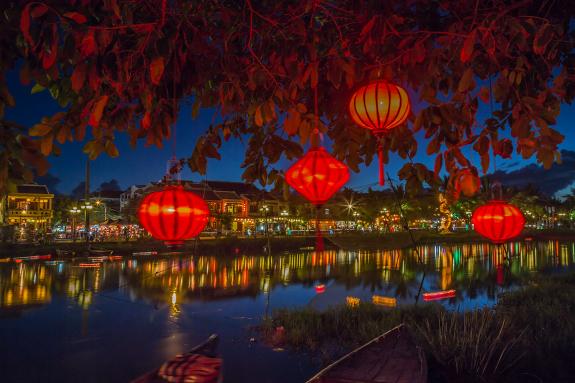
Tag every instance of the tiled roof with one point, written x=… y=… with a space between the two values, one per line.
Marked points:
x=238 y=187
x=32 y=189
x=228 y=195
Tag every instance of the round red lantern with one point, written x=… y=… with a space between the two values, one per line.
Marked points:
x=498 y=221
x=379 y=106
x=173 y=214
x=468 y=182
x=317 y=176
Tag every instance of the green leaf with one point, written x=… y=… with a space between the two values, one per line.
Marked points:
x=37 y=88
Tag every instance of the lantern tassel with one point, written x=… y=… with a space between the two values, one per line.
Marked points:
x=319 y=246
x=380 y=159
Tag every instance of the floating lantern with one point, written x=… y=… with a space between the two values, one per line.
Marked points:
x=498 y=221
x=173 y=214
x=320 y=289
x=379 y=107
x=384 y=301
x=438 y=295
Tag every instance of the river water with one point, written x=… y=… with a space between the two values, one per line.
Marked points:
x=112 y=321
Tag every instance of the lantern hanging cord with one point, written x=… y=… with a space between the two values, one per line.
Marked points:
x=491 y=113
x=319 y=245
x=380 y=160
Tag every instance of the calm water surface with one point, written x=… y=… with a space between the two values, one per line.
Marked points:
x=66 y=323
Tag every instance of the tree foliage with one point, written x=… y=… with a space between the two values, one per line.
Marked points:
x=125 y=66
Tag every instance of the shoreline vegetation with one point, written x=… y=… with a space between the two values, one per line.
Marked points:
x=528 y=336
x=236 y=245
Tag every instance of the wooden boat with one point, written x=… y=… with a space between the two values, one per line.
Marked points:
x=65 y=253
x=391 y=357
x=201 y=362
x=145 y=253
x=100 y=252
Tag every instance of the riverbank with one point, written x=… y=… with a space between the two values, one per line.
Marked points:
x=234 y=245
x=529 y=336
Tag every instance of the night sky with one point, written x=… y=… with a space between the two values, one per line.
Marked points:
x=144 y=164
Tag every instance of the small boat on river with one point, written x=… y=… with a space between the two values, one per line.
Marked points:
x=199 y=365
x=391 y=357
x=65 y=253
x=100 y=252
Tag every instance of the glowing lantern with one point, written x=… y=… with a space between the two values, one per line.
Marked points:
x=317 y=176
x=173 y=214
x=438 y=295
x=379 y=107
x=320 y=289
x=467 y=182
x=498 y=221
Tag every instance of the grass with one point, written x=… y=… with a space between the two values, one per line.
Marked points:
x=529 y=336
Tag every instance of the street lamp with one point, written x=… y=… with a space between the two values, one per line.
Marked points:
x=73 y=212
x=87 y=206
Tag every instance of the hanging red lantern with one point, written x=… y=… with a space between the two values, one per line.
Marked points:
x=498 y=221
x=467 y=181
x=173 y=214
x=317 y=176
x=380 y=107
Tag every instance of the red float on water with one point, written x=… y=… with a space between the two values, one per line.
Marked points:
x=438 y=295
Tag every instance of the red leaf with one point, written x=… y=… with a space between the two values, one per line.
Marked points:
x=94 y=78
x=39 y=10
x=77 y=17
x=25 y=25
x=96 y=115
x=78 y=77
x=88 y=44
x=468 y=46
x=367 y=27
x=157 y=70
x=49 y=58
x=146 y=121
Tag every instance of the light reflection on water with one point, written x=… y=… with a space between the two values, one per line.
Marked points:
x=86 y=321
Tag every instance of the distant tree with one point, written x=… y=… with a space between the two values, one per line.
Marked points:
x=50 y=180
x=79 y=191
x=111 y=185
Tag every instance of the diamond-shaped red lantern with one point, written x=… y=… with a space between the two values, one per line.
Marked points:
x=499 y=221
x=317 y=176
x=173 y=214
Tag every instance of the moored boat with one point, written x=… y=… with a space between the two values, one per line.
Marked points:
x=391 y=357
x=200 y=365
x=145 y=253
x=65 y=253
x=100 y=252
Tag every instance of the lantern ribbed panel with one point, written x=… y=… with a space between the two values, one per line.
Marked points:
x=379 y=106
x=173 y=214
x=499 y=221
x=317 y=176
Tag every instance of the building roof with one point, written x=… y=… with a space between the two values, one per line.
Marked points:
x=237 y=187
x=228 y=195
x=32 y=189
x=205 y=193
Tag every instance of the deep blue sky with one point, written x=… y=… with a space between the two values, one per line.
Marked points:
x=145 y=164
